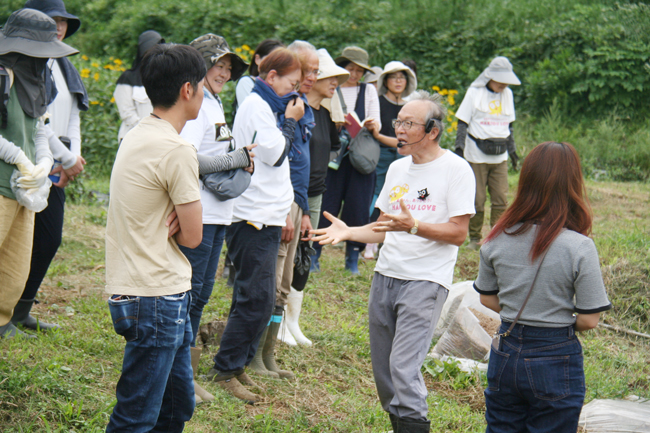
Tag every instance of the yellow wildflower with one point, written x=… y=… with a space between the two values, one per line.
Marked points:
x=94 y=102
x=238 y=50
x=444 y=92
x=451 y=100
x=94 y=65
x=246 y=47
x=454 y=124
x=450 y=130
x=96 y=76
x=449 y=119
x=84 y=57
x=85 y=73
x=451 y=112
x=118 y=62
x=113 y=101
x=111 y=58
x=436 y=88
x=453 y=92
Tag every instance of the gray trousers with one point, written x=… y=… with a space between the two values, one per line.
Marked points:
x=402 y=315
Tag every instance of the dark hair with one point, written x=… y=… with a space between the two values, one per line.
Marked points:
x=343 y=63
x=166 y=68
x=263 y=49
x=282 y=60
x=411 y=64
x=551 y=194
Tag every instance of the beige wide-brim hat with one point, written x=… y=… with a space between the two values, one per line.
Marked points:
x=328 y=69
x=372 y=75
x=391 y=67
x=500 y=70
x=356 y=55
x=32 y=33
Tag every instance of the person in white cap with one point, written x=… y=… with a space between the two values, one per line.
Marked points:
x=371 y=76
x=27 y=41
x=485 y=139
x=324 y=141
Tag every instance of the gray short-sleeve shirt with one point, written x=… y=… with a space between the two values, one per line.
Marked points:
x=569 y=280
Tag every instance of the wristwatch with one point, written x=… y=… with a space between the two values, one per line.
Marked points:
x=414 y=229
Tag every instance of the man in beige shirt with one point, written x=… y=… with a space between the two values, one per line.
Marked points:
x=155 y=206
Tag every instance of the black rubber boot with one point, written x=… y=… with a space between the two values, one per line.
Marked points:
x=409 y=425
x=22 y=317
x=10 y=331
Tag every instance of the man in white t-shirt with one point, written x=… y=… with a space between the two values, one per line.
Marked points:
x=426 y=204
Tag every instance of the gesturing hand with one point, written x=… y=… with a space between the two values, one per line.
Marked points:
x=402 y=222
x=337 y=232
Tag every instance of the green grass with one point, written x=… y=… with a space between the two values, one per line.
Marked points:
x=65 y=381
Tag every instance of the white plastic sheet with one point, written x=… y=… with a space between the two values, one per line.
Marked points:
x=614 y=416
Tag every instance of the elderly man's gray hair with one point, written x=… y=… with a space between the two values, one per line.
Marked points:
x=436 y=110
x=299 y=45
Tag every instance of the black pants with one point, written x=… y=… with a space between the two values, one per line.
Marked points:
x=351 y=190
x=48 y=227
x=254 y=253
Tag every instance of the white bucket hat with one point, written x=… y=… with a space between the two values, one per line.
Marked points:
x=328 y=69
x=391 y=67
x=500 y=70
x=372 y=75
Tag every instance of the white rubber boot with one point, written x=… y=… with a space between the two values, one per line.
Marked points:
x=294 y=305
x=283 y=332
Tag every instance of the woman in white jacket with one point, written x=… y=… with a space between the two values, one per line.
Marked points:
x=130 y=97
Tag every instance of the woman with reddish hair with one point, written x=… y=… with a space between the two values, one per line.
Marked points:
x=268 y=117
x=540 y=247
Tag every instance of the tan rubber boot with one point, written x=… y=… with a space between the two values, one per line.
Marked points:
x=257 y=364
x=199 y=393
x=268 y=352
x=230 y=384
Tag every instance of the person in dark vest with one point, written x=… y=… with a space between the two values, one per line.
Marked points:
x=67 y=97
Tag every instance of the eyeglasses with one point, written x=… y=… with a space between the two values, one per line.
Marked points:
x=407 y=124
x=314 y=73
x=397 y=77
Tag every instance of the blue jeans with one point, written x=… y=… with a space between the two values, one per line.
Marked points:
x=155 y=392
x=204 y=260
x=536 y=381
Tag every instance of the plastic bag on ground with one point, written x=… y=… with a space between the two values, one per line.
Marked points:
x=464 y=338
x=613 y=416
x=455 y=297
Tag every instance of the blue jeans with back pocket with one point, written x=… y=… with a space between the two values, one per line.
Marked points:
x=536 y=381
x=155 y=392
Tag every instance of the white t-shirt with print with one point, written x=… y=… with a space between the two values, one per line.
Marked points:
x=434 y=192
x=267 y=200
x=491 y=123
x=203 y=132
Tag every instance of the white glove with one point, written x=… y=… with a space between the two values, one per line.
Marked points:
x=37 y=177
x=24 y=165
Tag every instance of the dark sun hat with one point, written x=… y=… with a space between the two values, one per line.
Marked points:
x=213 y=47
x=356 y=55
x=55 y=8
x=32 y=33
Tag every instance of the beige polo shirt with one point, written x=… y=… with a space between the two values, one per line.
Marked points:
x=154 y=170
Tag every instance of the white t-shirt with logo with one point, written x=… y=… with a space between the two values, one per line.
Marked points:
x=434 y=192
x=203 y=133
x=485 y=114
